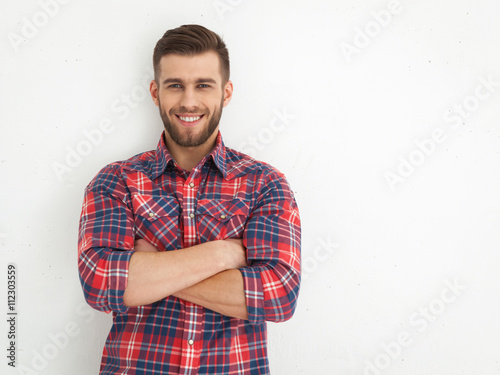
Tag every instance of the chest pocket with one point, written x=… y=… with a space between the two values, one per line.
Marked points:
x=157 y=220
x=221 y=219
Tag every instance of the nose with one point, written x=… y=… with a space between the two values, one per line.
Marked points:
x=189 y=98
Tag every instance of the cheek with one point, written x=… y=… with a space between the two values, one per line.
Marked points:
x=166 y=104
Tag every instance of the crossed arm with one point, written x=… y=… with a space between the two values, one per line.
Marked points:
x=117 y=272
x=204 y=274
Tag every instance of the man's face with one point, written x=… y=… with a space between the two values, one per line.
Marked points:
x=190 y=96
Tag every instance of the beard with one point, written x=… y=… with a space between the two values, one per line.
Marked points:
x=189 y=138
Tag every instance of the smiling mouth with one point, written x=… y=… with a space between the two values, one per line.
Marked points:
x=189 y=119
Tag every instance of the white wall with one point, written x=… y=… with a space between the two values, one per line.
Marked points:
x=400 y=260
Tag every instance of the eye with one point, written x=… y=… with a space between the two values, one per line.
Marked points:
x=174 y=86
x=203 y=85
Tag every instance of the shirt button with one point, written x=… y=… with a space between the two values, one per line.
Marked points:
x=191 y=342
x=191 y=184
x=191 y=215
x=151 y=214
x=222 y=216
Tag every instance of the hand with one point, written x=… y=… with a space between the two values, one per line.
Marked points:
x=235 y=253
x=143 y=245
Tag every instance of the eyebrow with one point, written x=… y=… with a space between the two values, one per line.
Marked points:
x=199 y=80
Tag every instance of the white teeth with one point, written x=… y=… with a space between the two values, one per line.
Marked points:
x=190 y=119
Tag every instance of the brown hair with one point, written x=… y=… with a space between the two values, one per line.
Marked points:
x=189 y=40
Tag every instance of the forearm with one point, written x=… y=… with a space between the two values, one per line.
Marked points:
x=223 y=293
x=156 y=275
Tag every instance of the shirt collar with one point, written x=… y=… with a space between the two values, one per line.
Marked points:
x=218 y=155
x=163 y=158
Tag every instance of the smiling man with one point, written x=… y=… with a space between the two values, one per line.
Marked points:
x=193 y=246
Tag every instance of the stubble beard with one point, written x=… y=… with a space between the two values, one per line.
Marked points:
x=189 y=139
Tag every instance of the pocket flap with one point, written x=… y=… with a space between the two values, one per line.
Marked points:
x=154 y=207
x=223 y=210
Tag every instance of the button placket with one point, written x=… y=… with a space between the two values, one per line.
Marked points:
x=190 y=189
x=193 y=317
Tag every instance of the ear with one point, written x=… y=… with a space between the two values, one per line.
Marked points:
x=228 y=92
x=153 y=89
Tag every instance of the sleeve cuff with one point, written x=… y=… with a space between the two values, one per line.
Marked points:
x=254 y=294
x=117 y=279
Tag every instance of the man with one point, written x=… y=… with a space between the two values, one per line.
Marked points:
x=193 y=246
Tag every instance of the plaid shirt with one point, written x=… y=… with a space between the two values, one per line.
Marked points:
x=227 y=195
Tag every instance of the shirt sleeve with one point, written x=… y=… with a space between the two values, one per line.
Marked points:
x=105 y=242
x=272 y=238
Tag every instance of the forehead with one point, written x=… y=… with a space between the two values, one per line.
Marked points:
x=190 y=68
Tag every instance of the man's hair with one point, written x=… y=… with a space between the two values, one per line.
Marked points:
x=190 y=40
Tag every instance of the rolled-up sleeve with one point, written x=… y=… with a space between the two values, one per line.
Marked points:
x=272 y=238
x=105 y=242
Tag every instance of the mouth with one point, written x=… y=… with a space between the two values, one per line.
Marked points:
x=189 y=120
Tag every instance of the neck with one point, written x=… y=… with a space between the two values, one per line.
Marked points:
x=188 y=157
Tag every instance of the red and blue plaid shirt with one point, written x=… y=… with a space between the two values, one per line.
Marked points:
x=148 y=196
